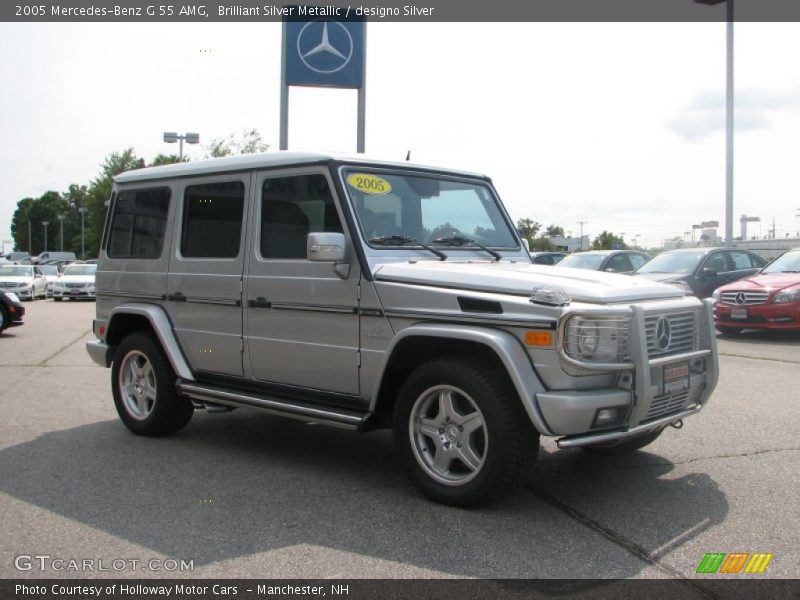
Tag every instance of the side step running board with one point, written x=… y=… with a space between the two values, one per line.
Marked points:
x=329 y=415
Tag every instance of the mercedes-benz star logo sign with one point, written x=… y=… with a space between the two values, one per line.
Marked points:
x=740 y=298
x=663 y=333
x=325 y=46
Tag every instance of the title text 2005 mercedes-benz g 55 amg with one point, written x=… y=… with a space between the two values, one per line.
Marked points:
x=369 y=295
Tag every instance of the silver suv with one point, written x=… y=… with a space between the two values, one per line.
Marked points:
x=372 y=295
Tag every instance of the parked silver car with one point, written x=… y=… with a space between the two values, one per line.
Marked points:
x=77 y=281
x=370 y=295
x=26 y=281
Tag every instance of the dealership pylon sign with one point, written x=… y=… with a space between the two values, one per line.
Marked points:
x=323 y=49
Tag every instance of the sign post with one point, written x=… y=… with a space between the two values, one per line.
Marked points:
x=323 y=52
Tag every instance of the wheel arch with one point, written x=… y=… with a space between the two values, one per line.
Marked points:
x=417 y=344
x=129 y=318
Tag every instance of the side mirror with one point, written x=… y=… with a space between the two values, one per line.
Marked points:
x=709 y=272
x=325 y=247
x=328 y=247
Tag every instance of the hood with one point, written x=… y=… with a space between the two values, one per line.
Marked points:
x=661 y=276
x=764 y=281
x=520 y=278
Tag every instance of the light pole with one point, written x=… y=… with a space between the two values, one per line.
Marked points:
x=30 y=237
x=191 y=138
x=83 y=210
x=582 y=223
x=45 y=223
x=61 y=222
x=728 y=118
x=636 y=239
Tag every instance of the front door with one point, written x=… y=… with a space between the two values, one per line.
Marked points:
x=204 y=287
x=301 y=318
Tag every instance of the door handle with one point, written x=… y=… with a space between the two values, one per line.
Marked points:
x=259 y=302
x=176 y=297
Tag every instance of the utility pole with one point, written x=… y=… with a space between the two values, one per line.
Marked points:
x=582 y=223
x=61 y=220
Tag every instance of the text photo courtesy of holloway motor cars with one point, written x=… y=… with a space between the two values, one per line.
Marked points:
x=531 y=294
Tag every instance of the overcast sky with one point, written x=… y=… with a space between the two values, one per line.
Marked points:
x=618 y=125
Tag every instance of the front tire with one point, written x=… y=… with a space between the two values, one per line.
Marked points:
x=461 y=431
x=3 y=319
x=143 y=385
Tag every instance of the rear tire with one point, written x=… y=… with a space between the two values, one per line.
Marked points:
x=143 y=385
x=627 y=446
x=461 y=431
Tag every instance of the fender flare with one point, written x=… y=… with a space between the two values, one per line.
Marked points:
x=505 y=346
x=162 y=327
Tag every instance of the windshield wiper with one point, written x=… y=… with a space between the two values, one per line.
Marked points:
x=404 y=240
x=457 y=240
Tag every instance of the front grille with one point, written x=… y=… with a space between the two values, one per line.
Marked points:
x=9 y=285
x=73 y=286
x=670 y=333
x=744 y=298
x=666 y=405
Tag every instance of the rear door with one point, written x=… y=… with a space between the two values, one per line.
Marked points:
x=204 y=286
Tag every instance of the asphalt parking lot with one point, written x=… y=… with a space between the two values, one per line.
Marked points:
x=245 y=494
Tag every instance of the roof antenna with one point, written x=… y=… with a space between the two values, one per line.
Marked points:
x=408 y=156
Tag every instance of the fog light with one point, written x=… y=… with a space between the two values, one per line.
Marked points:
x=607 y=417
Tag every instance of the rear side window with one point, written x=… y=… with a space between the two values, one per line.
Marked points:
x=212 y=220
x=742 y=260
x=138 y=223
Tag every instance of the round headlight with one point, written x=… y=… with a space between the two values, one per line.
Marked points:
x=588 y=339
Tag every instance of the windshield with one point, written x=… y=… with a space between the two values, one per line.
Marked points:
x=16 y=271
x=786 y=263
x=582 y=261
x=48 y=269
x=81 y=270
x=428 y=209
x=673 y=262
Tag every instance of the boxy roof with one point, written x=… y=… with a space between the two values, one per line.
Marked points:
x=264 y=160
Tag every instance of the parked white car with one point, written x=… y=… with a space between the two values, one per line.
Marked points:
x=26 y=281
x=77 y=281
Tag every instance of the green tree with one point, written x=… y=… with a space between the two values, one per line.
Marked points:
x=166 y=159
x=607 y=241
x=246 y=142
x=30 y=216
x=554 y=231
x=528 y=228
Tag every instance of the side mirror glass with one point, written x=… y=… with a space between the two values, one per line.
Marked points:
x=325 y=247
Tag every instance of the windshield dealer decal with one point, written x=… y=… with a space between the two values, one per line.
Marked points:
x=369 y=184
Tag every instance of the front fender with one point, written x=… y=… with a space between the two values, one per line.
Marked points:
x=505 y=346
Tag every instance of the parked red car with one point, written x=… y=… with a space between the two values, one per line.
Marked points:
x=768 y=300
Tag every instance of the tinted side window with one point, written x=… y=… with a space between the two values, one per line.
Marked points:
x=742 y=260
x=138 y=223
x=212 y=220
x=618 y=264
x=637 y=260
x=717 y=262
x=291 y=207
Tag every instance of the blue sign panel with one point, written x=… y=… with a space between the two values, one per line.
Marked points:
x=326 y=52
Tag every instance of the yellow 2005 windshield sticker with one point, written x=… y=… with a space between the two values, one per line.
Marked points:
x=369 y=184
